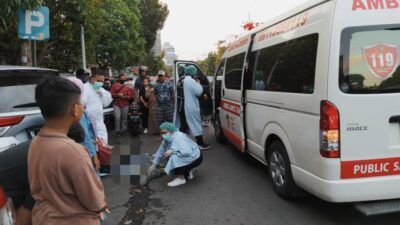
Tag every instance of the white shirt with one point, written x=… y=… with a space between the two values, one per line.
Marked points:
x=95 y=102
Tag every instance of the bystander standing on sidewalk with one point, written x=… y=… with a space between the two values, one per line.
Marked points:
x=153 y=125
x=122 y=95
x=144 y=102
x=139 y=80
x=88 y=127
x=95 y=98
x=63 y=182
x=165 y=99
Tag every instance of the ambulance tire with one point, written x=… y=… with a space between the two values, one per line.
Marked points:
x=219 y=135
x=279 y=171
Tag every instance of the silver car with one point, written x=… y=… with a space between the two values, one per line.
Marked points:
x=20 y=118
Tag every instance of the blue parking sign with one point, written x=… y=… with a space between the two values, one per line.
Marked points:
x=34 y=25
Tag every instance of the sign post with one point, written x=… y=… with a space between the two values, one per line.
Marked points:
x=32 y=25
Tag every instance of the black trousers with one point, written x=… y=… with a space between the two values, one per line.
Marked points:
x=183 y=125
x=184 y=170
x=145 y=116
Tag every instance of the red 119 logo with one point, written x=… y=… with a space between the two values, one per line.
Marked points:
x=381 y=59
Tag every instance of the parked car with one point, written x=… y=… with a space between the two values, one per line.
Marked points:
x=20 y=118
x=7 y=212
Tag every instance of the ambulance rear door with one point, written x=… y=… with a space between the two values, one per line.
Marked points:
x=364 y=86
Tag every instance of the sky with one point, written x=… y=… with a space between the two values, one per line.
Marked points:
x=194 y=27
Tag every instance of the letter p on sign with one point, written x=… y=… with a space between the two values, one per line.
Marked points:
x=30 y=22
x=34 y=25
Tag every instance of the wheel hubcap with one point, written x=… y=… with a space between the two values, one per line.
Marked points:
x=277 y=168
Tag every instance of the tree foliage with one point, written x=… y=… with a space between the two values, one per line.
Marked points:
x=117 y=40
x=9 y=10
x=118 y=33
x=155 y=63
x=207 y=65
x=210 y=63
x=63 y=50
x=153 y=14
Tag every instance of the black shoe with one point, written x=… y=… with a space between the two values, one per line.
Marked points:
x=204 y=147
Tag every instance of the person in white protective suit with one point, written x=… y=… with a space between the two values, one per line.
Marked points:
x=187 y=112
x=95 y=98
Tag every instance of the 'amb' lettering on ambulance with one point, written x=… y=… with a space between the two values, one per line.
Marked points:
x=375 y=4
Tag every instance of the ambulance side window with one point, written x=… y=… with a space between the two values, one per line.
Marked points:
x=265 y=62
x=287 y=67
x=233 y=71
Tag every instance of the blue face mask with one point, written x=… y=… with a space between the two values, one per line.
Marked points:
x=153 y=83
x=166 y=137
x=97 y=85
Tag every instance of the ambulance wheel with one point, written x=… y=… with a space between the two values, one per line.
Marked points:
x=279 y=170
x=218 y=130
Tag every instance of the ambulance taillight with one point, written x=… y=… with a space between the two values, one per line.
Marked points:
x=329 y=130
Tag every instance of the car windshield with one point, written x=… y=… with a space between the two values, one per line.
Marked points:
x=17 y=89
x=369 y=60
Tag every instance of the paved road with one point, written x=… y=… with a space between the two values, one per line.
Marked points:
x=230 y=189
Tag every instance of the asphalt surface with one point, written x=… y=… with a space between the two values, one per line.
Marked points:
x=230 y=188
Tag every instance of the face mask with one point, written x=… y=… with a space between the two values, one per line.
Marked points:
x=122 y=81
x=166 y=137
x=153 y=83
x=97 y=85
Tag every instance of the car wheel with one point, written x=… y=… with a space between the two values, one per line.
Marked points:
x=280 y=171
x=218 y=130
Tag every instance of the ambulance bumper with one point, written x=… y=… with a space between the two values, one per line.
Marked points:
x=349 y=190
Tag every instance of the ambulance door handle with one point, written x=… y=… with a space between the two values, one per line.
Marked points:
x=394 y=119
x=223 y=92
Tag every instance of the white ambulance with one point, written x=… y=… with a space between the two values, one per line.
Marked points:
x=314 y=94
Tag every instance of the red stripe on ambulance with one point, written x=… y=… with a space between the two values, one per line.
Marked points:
x=375 y=4
x=238 y=43
x=283 y=27
x=231 y=107
x=370 y=168
x=234 y=138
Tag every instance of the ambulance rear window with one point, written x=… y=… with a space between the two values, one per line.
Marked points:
x=369 y=60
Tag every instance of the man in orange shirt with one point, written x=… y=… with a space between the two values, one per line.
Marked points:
x=61 y=175
x=121 y=94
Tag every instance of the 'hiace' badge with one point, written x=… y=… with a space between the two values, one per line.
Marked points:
x=356 y=127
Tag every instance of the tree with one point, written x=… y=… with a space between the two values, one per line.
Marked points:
x=118 y=33
x=153 y=15
x=207 y=65
x=155 y=63
x=210 y=63
x=118 y=42
x=63 y=50
x=9 y=10
x=220 y=52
